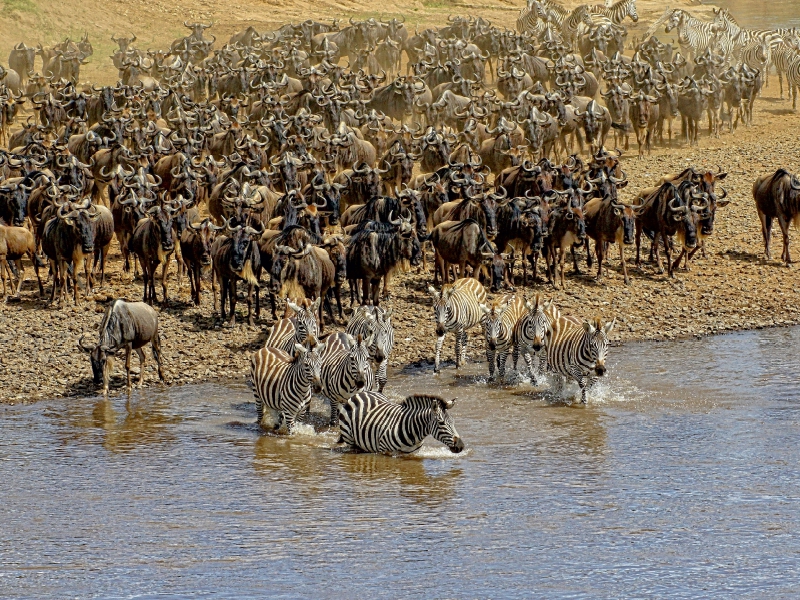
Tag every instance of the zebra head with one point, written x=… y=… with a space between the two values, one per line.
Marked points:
x=632 y=11
x=596 y=341
x=306 y=327
x=311 y=365
x=674 y=20
x=492 y=322
x=383 y=342
x=442 y=310
x=443 y=428
x=358 y=359
x=539 y=325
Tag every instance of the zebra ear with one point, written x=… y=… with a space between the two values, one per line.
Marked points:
x=299 y=350
x=352 y=340
x=292 y=305
x=588 y=327
x=388 y=314
x=448 y=404
x=316 y=303
x=432 y=291
x=486 y=310
x=610 y=326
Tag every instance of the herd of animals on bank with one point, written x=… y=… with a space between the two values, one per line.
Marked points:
x=314 y=157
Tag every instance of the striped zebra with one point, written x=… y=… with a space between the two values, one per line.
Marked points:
x=529 y=17
x=617 y=12
x=569 y=28
x=370 y=422
x=694 y=35
x=344 y=369
x=757 y=54
x=793 y=78
x=578 y=350
x=282 y=382
x=367 y=320
x=742 y=38
x=498 y=323
x=302 y=328
x=530 y=336
x=457 y=308
x=783 y=57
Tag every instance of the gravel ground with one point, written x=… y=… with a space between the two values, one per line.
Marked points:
x=732 y=288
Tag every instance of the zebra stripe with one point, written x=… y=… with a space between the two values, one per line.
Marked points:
x=793 y=78
x=344 y=369
x=282 y=382
x=578 y=350
x=531 y=334
x=694 y=35
x=617 y=12
x=569 y=28
x=528 y=20
x=369 y=320
x=302 y=328
x=369 y=421
x=457 y=308
x=498 y=323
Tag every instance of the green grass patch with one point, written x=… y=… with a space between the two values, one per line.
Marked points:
x=26 y=6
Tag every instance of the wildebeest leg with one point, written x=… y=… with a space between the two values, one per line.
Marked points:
x=386 y=279
x=375 y=284
x=589 y=252
x=128 y=367
x=577 y=271
x=668 y=252
x=164 y=275
x=785 y=231
x=257 y=290
x=654 y=249
x=54 y=269
x=622 y=260
x=156 y=343
x=250 y=321
x=677 y=262
x=223 y=297
x=142 y=361
x=337 y=291
x=232 y=301
x=598 y=249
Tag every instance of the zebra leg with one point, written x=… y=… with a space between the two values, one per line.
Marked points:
x=531 y=370
x=439 y=343
x=458 y=348
x=259 y=411
x=463 y=347
x=490 y=356
x=380 y=376
x=334 y=420
x=501 y=363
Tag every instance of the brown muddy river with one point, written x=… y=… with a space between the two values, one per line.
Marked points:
x=680 y=479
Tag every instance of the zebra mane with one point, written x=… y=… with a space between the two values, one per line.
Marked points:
x=420 y=401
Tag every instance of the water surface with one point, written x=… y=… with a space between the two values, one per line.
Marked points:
x=680 y=479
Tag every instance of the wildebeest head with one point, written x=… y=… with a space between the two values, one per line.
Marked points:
x=82 y=220
x=162 y=218
x=14 y=207
x=627 y=219
x=241 y=246
x=686 y=209
x=204 y=234
x=101 y=358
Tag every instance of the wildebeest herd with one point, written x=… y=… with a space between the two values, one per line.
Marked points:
x=322 y=158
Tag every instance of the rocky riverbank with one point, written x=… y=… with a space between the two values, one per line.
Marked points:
x=731 y=288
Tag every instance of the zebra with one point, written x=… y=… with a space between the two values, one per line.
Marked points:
x=793 y=78
x=569 y=27
x=370 y=422
x=529 y=17
x=498 y=323
x=344 y=369
x=782 y=58
x=457 y=308
x=694 y=35
x=366 y=320
x=302 y=328
x=530 y=336
x=283 y=382
x=617 y=11
x=578 y=350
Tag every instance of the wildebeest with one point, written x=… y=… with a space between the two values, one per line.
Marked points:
x=235 y=256
x=153 y=242
x=16 y=242
x=462 y=244
x=196 y=241
x=128 y=325
x=777 y=196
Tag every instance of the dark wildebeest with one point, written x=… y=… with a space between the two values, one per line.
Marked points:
x=777 y=196
x=16 y=242
x=153 y=242
x=567 y=227
x=305 y=273
x=235 y=257
x=608 y=222
x=665 y=211
x=68 y=240
x=462 y=244
x=128 y=325
x=376 y=250
x=196 y=241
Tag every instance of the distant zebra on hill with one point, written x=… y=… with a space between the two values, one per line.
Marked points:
x=617 y=12
x=578 y=350
x=370 y=422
